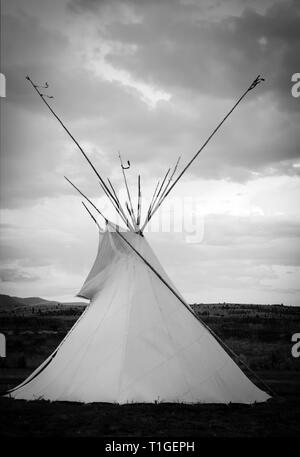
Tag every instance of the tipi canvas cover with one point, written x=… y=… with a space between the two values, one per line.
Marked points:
x=136 y=342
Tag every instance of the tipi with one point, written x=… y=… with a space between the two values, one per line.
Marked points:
x=137 y=340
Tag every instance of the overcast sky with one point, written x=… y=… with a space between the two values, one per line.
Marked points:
x=152 y=79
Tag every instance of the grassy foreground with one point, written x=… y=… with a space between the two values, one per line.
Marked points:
x=261 y=335
x=278 y=417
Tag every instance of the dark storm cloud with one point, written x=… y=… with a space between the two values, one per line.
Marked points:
x=29 y=48
x=47 y=55
x=35 y=147
x=99 y=110
x=177 y=47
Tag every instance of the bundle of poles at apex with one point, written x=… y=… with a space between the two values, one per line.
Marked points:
x=163 y=188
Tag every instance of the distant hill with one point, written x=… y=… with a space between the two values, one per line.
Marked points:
x=31 y=301
x=8 y=303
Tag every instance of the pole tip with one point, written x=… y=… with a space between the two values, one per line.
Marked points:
x=257 y=81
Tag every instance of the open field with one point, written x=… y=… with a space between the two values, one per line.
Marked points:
x=280 y=417
x=260 y=335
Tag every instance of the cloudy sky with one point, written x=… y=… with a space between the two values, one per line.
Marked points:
x=151 y=79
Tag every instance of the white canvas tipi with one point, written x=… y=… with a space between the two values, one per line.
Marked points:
x=136 y=342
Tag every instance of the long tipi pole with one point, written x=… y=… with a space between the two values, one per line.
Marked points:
x=154 y=200
x=139 y=203
x=160 y=190
x=92 y=216
x=170 y=179
x=254 y=84
x=102 y=183
x=123 y=215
